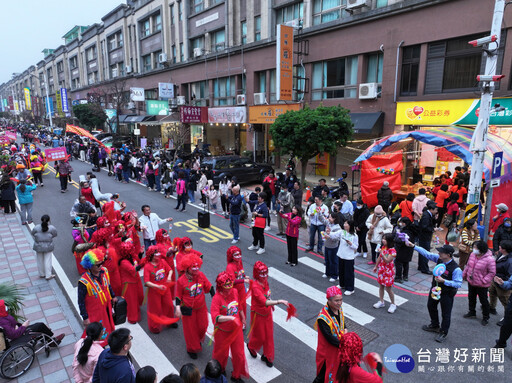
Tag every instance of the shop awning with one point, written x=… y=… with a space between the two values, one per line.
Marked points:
x=122 y=117
x=455 y=139
x=138 y=119
x=368 y=123
x=173 y=117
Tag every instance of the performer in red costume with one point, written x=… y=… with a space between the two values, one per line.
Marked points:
x=95 y=295
x=191 y=303
x=235 y=269
x=168 y=251
x=331 y=326
x=113 y=245
x=262 y=324
x=157 y=277
x=350 y=355
x=228 y=334
x=132 y=286
x=184 y=246
x=132 y=230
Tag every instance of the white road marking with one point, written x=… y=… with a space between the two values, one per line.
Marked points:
x=350 y=311
x=358 y=284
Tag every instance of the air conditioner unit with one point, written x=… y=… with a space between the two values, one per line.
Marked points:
x=130 y=105
x=198 y=52
x=162 y=58
x=259 y=99
x=355 y=4
x=368 y=91
x=181 y=100
x=128 y=69
x=240 y=99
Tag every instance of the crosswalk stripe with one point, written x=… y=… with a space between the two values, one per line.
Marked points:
x=295 y=327
x=258 y=370
x=350 y=311
x=360 y=285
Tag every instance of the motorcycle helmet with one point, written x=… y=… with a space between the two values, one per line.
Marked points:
x=344 y=175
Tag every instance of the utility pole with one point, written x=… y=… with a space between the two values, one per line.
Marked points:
x=48 y=106
x=478 y=145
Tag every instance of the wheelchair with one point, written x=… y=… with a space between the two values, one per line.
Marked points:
x=17 y=356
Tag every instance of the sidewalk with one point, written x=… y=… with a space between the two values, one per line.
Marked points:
x=43 y=302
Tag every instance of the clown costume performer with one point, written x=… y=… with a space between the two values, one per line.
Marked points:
x=132 y=289
x=191 y=303
x=235 y=269
x=228 y=334
x=184 y=246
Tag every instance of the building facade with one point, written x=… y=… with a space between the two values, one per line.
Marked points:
x=367 y=56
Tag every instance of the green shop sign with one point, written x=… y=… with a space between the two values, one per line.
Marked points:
x=157 y=108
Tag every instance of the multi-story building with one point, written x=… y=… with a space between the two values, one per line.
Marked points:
x=368 y=56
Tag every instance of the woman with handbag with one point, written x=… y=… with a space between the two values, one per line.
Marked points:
x=191 y=303
x=469 y=235
x=260 y=215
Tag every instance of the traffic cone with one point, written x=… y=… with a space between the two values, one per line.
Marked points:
x=308 y=194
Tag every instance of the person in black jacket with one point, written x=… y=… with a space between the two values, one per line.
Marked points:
x=8 y=194
x=426 y=226
x=317 y=191
x=384 y=196
x=297 y=194
x=503 y=271
x=503 y=233
x=361 y=214
x=403 y=252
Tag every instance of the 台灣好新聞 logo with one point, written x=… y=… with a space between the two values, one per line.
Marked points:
x=398 y=359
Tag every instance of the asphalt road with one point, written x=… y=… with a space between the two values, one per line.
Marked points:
x=295 y=341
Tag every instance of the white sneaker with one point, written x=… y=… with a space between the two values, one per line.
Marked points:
x=252 y=247
x=348 y=292
x=267 y=228
x=260 y=251
x=365 y=255
x=358 y=254
x=324 y=276
x=234 y=241
x=332 y=280
x=392 y=308
x=379 y=305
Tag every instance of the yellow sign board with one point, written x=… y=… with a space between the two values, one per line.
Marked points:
x=267 y=114
x=432 y=113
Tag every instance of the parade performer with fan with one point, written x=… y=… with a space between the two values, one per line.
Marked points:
x=95 y=295
x=132 y=286
x=331 y=327
x=168 y=251
x=184 y=246
x=228 y=334
x=351 y=355
x=449 y=282
x=262 y=323
x=132 y=230
x=191 y=303
x=158 y=279
x=235 y=268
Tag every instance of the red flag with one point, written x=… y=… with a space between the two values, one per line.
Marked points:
x=82 y=132
x=292 y=312
x=165 y=321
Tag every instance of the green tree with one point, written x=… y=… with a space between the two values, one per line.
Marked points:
x=90 y=115
x=13 y=296
x=308 y=132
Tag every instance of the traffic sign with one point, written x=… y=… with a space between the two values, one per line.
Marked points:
x=497 y=160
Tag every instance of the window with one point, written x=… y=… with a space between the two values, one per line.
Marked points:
x=410 y=70
x=174 y=54
x=218 y=40
x=200 y=93
x=91 y=78
x=73 y=62
x=114 y=72
x=335 y=79
x=197 y=43
x=452 y=66
x=224 y=91
x=382 y=3
x=157 y=23
x=299 y=82
x=91 y=53
x=115 y=41
x=327 y=10
x=244 y=32
x=75 y=83
x=144 y=28
x=273 y=98
x=257 y=28
x=172 y=14
x=156 y=60
x=49 y=73
x=289 y=13
x=262 y=82
x=182 y=53
x=180 y=10
x=196 y=6
x=146 y=63
x=374 y=68
x=60 y=67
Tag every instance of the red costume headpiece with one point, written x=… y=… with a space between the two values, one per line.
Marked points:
x=333 y=291
x=108 y=210
x=159 y=236
x=151 y=251
x=260 y=272
x=182 y=242
x=126 y=249
x=224 y=281
x=101 y=235
x=191 y=261
x=232 y=251
x=101 y=222
x=351 y=349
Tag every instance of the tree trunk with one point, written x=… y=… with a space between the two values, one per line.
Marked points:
x=304 y=165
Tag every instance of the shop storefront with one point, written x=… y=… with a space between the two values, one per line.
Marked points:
x=226 y=130
x=194 y=119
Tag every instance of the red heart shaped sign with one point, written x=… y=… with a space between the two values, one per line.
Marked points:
x=418 y=110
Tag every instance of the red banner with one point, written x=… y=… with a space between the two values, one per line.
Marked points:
x=372 y=179
x=82 y=132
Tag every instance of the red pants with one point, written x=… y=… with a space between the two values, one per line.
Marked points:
x=134 y=295
x=194 y=328
x=237 y=353
x=78 y=259
x=240 y=288
x=160 y=305
x=262 y=334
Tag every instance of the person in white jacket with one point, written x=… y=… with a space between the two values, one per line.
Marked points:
x=201 y=185
x=378 y=224
x=346 y=254
x=213 y=196
x=149 y=224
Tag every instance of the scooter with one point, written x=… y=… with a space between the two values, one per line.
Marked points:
x=335 y=191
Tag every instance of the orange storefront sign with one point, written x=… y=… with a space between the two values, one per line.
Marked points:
x=267 y=114
x=284 y=62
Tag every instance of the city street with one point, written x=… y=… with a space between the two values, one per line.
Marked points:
x=302 y=285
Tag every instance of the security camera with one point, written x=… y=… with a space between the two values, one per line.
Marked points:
x=483 y=40
x=488 y=78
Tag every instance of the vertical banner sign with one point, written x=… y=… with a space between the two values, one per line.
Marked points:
x=284 y=63
x=49 y=105
x=11 y=103
x=6 y=104
x=16 y=107
x=28 y=102
x=64 y=100
x=59 y=102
